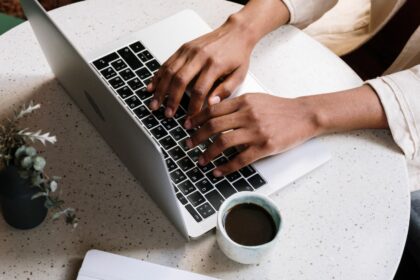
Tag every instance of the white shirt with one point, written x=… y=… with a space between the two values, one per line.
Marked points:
x=398 y=89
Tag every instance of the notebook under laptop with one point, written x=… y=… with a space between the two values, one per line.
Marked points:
x=109 y=87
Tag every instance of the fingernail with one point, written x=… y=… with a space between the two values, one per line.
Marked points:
x=214 y=100
x=189 y=143
x=187 y=124
x=153 y=104
x=149 y=87
x=217 y=173
x=201 y=161
x=168 y=112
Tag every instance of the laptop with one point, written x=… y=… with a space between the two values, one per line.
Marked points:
x=100 y=265
x=109 y=84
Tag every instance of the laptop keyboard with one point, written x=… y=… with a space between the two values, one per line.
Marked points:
x=128 y=72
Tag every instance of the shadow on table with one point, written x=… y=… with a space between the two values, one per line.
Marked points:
x=116 y=214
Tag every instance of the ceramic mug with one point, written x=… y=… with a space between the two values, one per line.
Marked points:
x=241 y=253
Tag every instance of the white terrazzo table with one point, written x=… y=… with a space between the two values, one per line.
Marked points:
x=346 y=220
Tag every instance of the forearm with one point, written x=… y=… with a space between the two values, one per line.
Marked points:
x=352 y=109
x=260 y=17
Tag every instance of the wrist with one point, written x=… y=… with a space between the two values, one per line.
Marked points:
x=316 y=115
x=241 y=23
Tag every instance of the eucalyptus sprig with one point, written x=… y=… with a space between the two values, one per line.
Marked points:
x=14 y=150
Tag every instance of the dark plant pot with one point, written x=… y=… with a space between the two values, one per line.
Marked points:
x=18 y=208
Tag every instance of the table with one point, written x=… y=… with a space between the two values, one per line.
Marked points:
x=346 y=220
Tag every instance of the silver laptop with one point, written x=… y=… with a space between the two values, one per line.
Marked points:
x=109 y=87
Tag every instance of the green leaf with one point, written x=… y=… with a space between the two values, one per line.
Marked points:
x=20 y=151
x=26 y=162
x=36 y=179
x=57 y=215
x=30 y=151
x=39 y=163
x=39 y=195
x=53 y=186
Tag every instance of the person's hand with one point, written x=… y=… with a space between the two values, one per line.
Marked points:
x=261 y=124
x=223 y=53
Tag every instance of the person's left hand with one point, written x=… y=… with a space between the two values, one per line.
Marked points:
x=261 y=124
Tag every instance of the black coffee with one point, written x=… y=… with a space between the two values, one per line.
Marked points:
x=250 y=225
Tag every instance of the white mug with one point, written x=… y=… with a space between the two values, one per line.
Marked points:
x=241 y=253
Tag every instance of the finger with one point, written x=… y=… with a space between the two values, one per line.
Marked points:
x=164 y=82
x=215 y=126
x=180 y=82
x=156 y=78
x=201 y=88
x=228 y=86
x=228 y=107
x=224 y=141
x=248 y=156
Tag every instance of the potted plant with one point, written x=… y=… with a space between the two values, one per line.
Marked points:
x=26 y=191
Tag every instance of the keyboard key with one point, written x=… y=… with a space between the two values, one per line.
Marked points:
x=205 y=210
x=175 y=188
x=170 y=164
x=116 y=82
x=247 y=171
x=176 y=153
x=132 y=102
x=242 y=185
x=135 y=84
x=118 y=65
x=153 y=65
x=177 y=177
x=185 y=164
x=179 y=114
x=225 y=188
x=145 y=56
x=233 y=176
x=108 y=73
x=150 y=121
x=183 y=144
x=185 y=101
x=194 y=154
x=143 y=73
x=130 y=58
x=220 y=161
x=165 y=154
x=125 y=92
x=169 y=123
x=158 y=132
x=143 y=94
x=195 y=174
x=191 y=131
x=178 y=133
x=167 y=142
x=160 y=113
x=181 y=198
x=186 y=187
x=137 y=47
x=193 y=213
x=203 y=146
x=204 y=185
x=212 y=178
x=256 y=181
x=230 y=152
x=141 y=112
x=104 y=61
x=127 y=74
x=147 y=81
x=215 y=199
x=196 y=198
x=208 y=167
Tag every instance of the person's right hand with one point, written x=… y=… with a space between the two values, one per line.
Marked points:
x=223 y=54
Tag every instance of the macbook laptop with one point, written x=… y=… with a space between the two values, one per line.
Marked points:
x=109 y=86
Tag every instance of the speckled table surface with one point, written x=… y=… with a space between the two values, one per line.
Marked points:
x=346 y=220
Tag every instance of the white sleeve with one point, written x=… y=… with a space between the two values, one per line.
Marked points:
x=304 y=12
x=400 y=97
